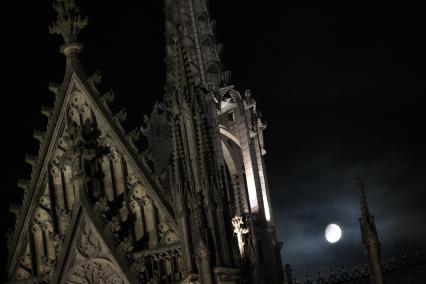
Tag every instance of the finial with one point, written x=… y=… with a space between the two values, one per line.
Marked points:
x=69 y=21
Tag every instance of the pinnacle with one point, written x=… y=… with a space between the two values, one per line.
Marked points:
x=31 y=160
x=55 y=88
x=96 y=78
x=69 y=21
x=47 y=111
x=23 y=183
x=108 y=97
x=39 y=135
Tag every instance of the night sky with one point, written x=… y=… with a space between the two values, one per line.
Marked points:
x=342 y=88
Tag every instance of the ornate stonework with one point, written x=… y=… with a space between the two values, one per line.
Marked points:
x=94 y=272
x=162 y=208
x=240 y=231
x=168 y=236
x=89 y=245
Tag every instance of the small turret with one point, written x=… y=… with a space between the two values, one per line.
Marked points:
x=288 y=273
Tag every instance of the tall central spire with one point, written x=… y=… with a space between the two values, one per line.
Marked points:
x=189 y=21
x=370 y=239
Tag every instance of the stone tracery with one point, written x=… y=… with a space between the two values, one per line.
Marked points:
x=94 y=272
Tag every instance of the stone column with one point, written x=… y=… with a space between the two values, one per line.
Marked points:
x=118 y=172
x=38 y=248
x=151 y=224
x=57 y=183
x=138 y=223
x=70 y=191
x=107 y=179
x=49 y=235
x=204 y=263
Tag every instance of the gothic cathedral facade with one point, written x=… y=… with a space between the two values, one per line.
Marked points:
x=193 y=207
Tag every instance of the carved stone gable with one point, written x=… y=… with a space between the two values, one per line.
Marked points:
x=92 y=261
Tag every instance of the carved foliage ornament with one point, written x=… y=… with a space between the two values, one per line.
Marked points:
x=88 y=245
x=240 y=231
x=168 y=236
x=22 y=273
x=95 y=272
x=69 y=22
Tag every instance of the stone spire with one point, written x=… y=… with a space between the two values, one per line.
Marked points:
x=370 y=238
x=190 y=21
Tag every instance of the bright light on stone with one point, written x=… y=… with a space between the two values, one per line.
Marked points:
x=333 y=233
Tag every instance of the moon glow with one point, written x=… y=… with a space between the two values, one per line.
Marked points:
x=333 y=233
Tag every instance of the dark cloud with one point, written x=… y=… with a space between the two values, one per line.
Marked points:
x=318 y=187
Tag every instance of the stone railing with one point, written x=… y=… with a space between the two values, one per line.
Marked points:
x=344 y=275
x=160 y=265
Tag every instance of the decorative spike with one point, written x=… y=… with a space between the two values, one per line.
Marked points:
x=15 y=209
x=135 y=135
x=46 y=111
x=108 y=97
x=55 y=88
x=39 y=135
x=24 y=184
x=96 y=78
x=121 y=116
x=126 y=245
x=31 y=160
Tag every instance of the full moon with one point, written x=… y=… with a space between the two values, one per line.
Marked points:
x=333 y=233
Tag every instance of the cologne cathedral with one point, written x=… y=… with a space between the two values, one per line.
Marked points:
x=192 y=206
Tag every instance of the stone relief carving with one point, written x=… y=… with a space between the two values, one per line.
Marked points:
x=88 y=245
x=64 y=216
x=92 y=269
x=95 y=272
x=41 y=216
x=45 y=201
x=137 y=191
x=22 y=273
x=58 y=240
x=240 y=231
x=101 y=207
x=25 y=261
x=168 y=237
